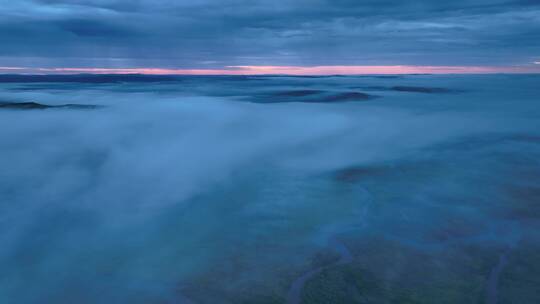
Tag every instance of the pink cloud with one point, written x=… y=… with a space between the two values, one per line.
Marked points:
x=286 y=70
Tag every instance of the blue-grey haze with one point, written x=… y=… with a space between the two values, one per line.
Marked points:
x=413 y=189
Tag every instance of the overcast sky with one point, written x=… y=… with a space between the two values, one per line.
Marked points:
x=217 y=33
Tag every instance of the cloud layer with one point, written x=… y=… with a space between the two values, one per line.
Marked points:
x=209 y=34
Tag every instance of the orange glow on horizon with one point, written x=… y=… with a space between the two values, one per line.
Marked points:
x=285 y=70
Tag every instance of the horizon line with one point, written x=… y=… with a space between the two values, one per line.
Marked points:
x=246 y=70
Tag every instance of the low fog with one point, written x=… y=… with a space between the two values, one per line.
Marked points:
x=214 y=190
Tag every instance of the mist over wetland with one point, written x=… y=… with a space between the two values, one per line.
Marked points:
x=270 y=189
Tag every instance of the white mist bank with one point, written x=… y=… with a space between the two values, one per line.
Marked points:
x=137 y=197
x=149 y=152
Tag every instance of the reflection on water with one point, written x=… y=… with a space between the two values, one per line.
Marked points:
x=237 y=190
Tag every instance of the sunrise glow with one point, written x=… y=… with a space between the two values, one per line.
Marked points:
x=285 y=70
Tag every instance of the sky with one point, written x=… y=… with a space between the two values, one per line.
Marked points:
x=278 y=36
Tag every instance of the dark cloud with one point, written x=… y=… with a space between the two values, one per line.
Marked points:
x=210 y=33
x=93 y=28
